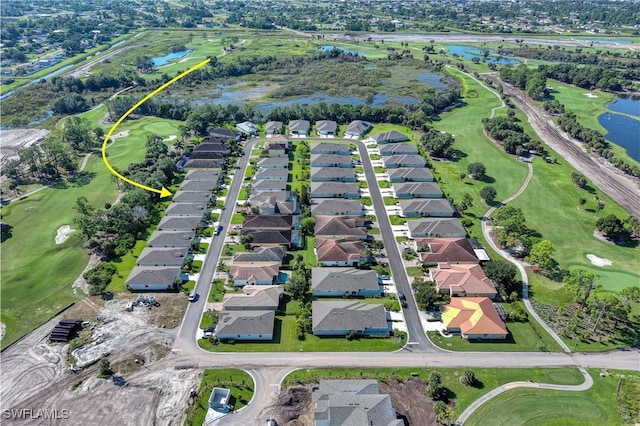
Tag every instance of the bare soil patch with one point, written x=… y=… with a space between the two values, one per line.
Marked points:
x=410 y=402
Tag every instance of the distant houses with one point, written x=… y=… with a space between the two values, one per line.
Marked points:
x=298 y=128
x=391 y=136
x=326 y=128
x=357 y=129
x=273 y=128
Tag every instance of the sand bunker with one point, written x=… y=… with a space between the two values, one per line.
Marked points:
x=63 y=234
x=122 y=134
x=598 y=261
x=171 y=138
x=590 y=95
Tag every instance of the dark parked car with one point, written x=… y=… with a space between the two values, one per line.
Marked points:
x=401 y=296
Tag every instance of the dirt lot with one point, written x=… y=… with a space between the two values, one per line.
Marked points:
x=38 y=375
x=15 y=139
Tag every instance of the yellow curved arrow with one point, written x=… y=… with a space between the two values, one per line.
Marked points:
x=164 y=192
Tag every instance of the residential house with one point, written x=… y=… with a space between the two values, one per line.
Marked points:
x=186 y=209
x=342 y=252
x=345 y=282
x=219 y=400
x=256 y=273
x=247 y=128
x=463 y=280
x=207 y=155
x=204 y=164
x=203 y=175
x=171 y=239
x=299 y=127
x=279 y=196
x=332 y=174
x=432 y=207
x=352 y=402
x=223 y=133
x=282 y=140
x=262 y=222
x=340 y=318
x=436 y=227
x=357 y=128
x=245 y=325
x=253 y=297
x=399 y=149
x=417 y=190
x=146 y=278
x=275 y=238
x=330 y=148
x=213 y=147
x=338 y=227
x=395 y=161
x=335 y=207
x=273 y=128
x=412 y=174
x=268 y=205
x=473 y=318
x=334 y=190
x=152 y=256
x=273 y=163
x=331 y=160
x=275 y=150
x=326 y=128
x=179 y=223
x=195 y=197
x=261 y=254
x=272 y=174
x=444 y=250
x=269 y=185
x=391 y=136
x=197 y=185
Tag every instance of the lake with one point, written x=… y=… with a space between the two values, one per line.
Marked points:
x=164 y=60
x=328 y=48
x=623 y=131
x=626 y=104
x=469 y=52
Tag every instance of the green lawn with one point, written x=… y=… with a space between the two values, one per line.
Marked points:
x=379 y=169
x=217 y=291
x=238 y=382
x=596 y=406
x=384 y=184
x=397 y=220
x=366 y=201
x=237 y=219
x=308 y=253
x=389 y=201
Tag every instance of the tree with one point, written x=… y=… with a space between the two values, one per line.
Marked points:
x=476 y=171
x=511 y=219
x=246 y=240
x=468 y=378
x=425 y=294
x=632 y=224
x=462 y=176
x=599 y=207
x=630 y=294
x=504 y=274
x=581 y=283
x=611 y=226
x=297 y=287
x=105 y=369
x=307 y=226
x=434 y=390
x=540 y=254
x=582 y=201
x=77 y=132
x=488 y=194
x=578 y=180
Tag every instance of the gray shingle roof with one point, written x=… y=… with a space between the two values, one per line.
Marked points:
x=398 y=148
x=261 y=254
x=186 y=209
x=333 y=206
x=338 y=188
x=245 y=322
x=418 y=189
x=403 y=160
x=358 y=128
x=254 y=297
x=343 y=279
x=204 y=175
x=409 y=174
x=330 y=159
x=299 y=126
x=332 y=172
x=427 y=206
x=178 y=223
x=197 y=185
x=151 y=275
x=329 y=126
x=271 y=173
x=273 y=126
x=329 y=148
x=207 y=155
x=192 y=197
x=171 y=239
x=433 y=227
x=204 y=164
x=329 y=316
x=390 y=136
x=270 y=185
x=339 y=225
x=272 y=162
x=267 y=221
x=151 y=256
x=215 y=147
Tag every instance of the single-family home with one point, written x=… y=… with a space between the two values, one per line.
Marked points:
x=274 y=238
x=338 y=227
x=152 y=256
x=269 y=185
x=333 y=174
x=195 y=197
x=281 y=139
x=417 y=190
x=334 y=190
x=206 y=155
x=223 y=133
x=444 y=250
x=203 y=175
x=197 y=185
x=269 y=204
x=330 y=148
x=299 y=127
x=357 y=128
x=256 y=273
x=436 y=227
x=260 y=222
x=335 y=207
x=273 y=128
x=352 y=402
x=463 y=280
x=410 y=174
x=179 y=223
x=326 y=127
x=147 y=278
x=254 y=297
x=245 y=325
x=331 y=160
x=171 y=239
x=395 y=161
x=275 y=150
x=219 y=400
x=210 y=147
x=473 y=318
x=272 y=174
x=431 y=207
x=391 y=136
x=273 y=163
x=342 y=252
x=340 y=318
x=399 y=149
x=247 y=128
x=345 y=282
x=203 y=164
x=186 y=209
x=261 y=254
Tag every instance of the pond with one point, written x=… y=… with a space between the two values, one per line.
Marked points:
x=623 y=131
x=328 y=48
x=469 y=52
x=626 y=104
x=164 y=60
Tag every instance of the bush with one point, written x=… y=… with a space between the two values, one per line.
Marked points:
x=351 y=335
x=99 y=277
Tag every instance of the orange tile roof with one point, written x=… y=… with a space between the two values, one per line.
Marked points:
x=446 y=250
x=473 y=315
x=467 y=278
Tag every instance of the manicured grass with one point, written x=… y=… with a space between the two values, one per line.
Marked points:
x=595 y=406
x=242 y=196
x=414 y=272
x=548 y=292
x=374 y=231
x=308 y=254
x=389 y=201
x=237 y=219
x=397 y=220
x=366 y=201
x=375 y=157
x=231 y=249
x=379 y=169
x=238 y=382
x=362 y=184
x=358 y=169
x=216 y=293
x=384 y=184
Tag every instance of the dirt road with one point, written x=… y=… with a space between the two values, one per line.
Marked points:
x=622 y=188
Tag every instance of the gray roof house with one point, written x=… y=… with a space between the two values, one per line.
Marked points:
x=417 y=190
x=179 y=223
x=334 y=190
x=399 y=149
x=395 y=161
x=269 y=185
x=334 y=207
x=257 y=273
x=357 y=128
x=326 y=127
x=152 y=256
x=263 y=222
x=197 y=197
x=340 y=227
x=341 y=282
x=276 y=150
x=391 y=136
x=206 y=155
x=261 y=254
x=171 y=239
x=273 y=238
x=269 y=204
x=330 y=148
x=223 y=133
x=339 y=318
x=146 y=278
x=332 y=174
x=272 y=174
x=410 y=174
x=274 y=163
x=186 y=209
x=214 y=147
x=203 y=175
x=197 y=185
x=248 y=128
x=435 y=207
x=436 y=227
x=245 y=325
x=203 y=164
x=331 y=160
x=254 y=297
x=273 y=128
x=352 y=402
x=299 y=127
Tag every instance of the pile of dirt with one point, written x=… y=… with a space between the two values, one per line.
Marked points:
x=293 y=407
x=411 y=403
